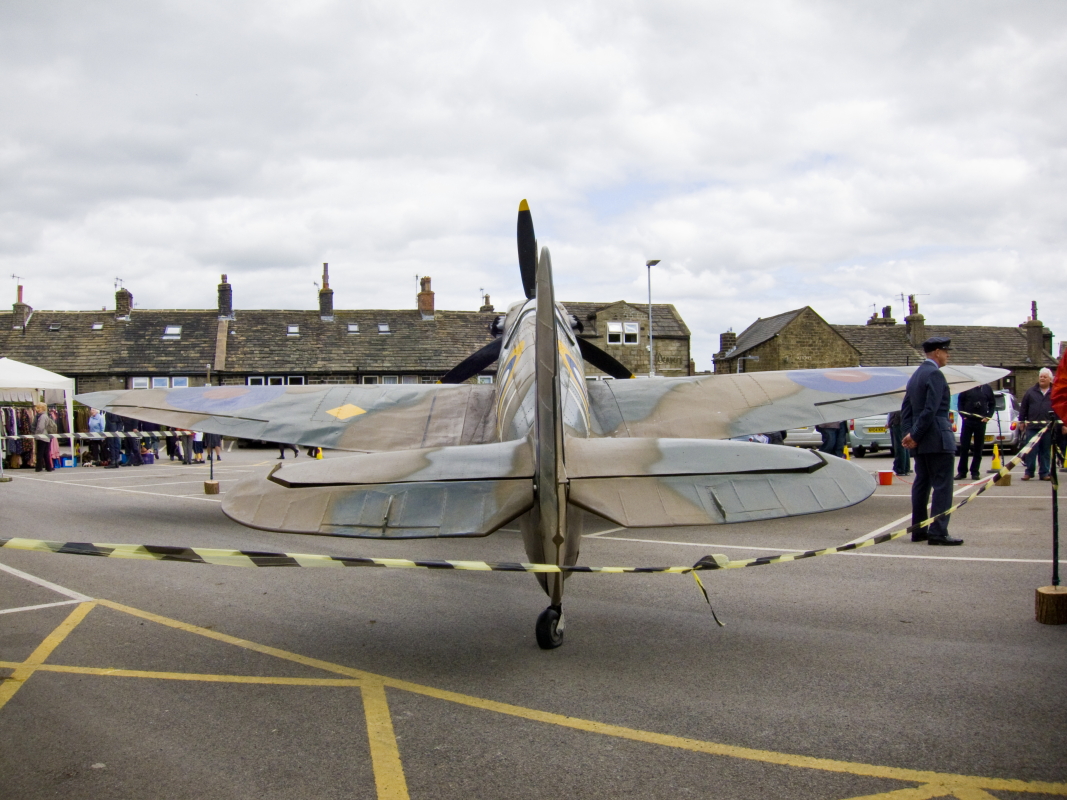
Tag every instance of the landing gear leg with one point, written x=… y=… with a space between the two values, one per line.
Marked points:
x=550 y=628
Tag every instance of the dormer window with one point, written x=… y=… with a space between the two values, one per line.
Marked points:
x=172 y=332
x=54 y=326
x=292 y=330
x=353 y=327
x=383 y=327
x=98 y=326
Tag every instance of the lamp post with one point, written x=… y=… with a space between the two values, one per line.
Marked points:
x=651 y=351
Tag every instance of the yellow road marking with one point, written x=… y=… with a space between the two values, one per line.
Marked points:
x=953 y=781
x=384 y=752
x=916 y=793
x=25 y=669
x=108 y=672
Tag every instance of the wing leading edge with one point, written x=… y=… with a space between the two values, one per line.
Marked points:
x=723 y=406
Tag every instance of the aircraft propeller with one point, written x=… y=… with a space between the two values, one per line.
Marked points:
x=527 y=245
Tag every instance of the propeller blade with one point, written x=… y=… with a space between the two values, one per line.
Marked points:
x=601 y=360
x=474 y=363
x=527 y=251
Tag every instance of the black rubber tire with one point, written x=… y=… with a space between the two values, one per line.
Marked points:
x=861 y=452
x=549 y=631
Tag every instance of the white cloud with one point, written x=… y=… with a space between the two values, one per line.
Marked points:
x=773 y=154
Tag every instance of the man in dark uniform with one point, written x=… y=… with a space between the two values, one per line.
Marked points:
x=113 y=424
x=924 y=420
x=977 y=407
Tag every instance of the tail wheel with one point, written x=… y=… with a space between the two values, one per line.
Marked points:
x=550 y=628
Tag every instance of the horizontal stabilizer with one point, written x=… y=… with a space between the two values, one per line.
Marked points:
x=641 y=483
x=435 y=492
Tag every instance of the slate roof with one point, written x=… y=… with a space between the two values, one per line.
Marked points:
x=761 y=330
x=989 y=345
x=259 y=343
x=666 y=321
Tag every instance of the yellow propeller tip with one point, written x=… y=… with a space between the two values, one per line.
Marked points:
x=524 y=206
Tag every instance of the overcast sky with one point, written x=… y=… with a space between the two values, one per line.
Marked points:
x=772 y=154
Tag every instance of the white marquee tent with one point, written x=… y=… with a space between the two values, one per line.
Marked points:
x=14 y=375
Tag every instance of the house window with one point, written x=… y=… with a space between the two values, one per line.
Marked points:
x=410 y=379
x=179 y=383
x=255 y=380
x=429 y=379
x=614 y=333
x=485 y=379
x=353 y=327
x=139 y=383
x=391 y=379
x=296 y=380
x=276 y=380
x=98 y=326
x=54 y=326
x=160 y=383
x=383 y=327
x=292 y=330
x=370 y=378
x=172 y=332
x=629 y=332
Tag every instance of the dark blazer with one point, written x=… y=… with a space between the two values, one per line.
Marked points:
x=924 y=413
x=979 y=400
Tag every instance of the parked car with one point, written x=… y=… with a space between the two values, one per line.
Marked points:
x=1002 y=429
x=803 y=437
x=868 y=435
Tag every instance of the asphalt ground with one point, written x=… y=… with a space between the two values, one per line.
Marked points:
x=900 y=671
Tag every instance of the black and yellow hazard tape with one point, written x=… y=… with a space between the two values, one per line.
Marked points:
x=98 y=436
x=254 y=558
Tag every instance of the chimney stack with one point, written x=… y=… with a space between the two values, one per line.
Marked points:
x=915 y=323
x=326 y=295
x=20 y=313
x=487 y=306
x=727 y=341
x=425 y=298
x=225 y=299
x=1035 y=337
x=123 y=303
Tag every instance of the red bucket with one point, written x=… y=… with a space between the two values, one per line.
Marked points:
x=885 y=477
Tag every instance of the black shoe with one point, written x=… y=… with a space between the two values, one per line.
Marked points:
x=945 y=541
x=920 y=536
x=976 y=477
x=961 y=477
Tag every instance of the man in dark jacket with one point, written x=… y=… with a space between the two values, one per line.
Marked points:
x=924 y=420
x=977 y=407
x=1035 y=412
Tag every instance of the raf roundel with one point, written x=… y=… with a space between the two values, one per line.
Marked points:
x=874 y=380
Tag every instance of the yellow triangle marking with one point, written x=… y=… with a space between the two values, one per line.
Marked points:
x=347 y=411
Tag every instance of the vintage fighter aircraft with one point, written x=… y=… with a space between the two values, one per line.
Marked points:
x=542 y=445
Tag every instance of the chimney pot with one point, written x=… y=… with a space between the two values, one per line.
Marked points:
x=424 y=299
x=20 y=313
x=225 y=299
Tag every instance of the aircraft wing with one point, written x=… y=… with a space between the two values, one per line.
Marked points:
x=641 y=483
x=723 y=406
x=343 y=417
x=407 y=494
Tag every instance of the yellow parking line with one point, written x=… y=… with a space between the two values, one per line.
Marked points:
x=384 y=752
x=187 y=676
x=24 y=669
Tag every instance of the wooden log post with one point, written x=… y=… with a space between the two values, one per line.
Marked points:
x=1050 y=605
x=211 y=487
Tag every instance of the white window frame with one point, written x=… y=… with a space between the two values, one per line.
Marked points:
x=631 y=329
x=392 y=380
x=292 y=330
x=180 y=382
x=369 y=379
x=296 y=380
x=485 y=379
x=97 y=326
x=160 y=383
x=353 y=327
x=383 y=327
x=614 y=333
x=428 y=379
x=172 y=332
x=139 y=383
x=409 y=379
x=275 y=380
x=257 y=380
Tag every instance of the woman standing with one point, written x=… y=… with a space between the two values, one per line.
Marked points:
x=44 y=425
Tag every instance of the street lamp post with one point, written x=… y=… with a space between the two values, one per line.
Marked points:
x=651 y=351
